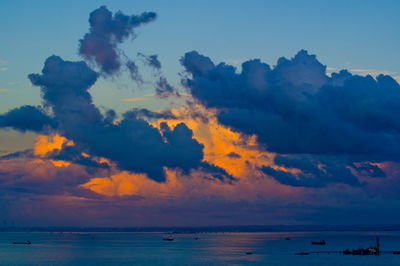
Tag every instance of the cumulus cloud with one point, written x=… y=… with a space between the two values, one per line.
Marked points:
x=26 y=118
x=132 y=143
x=295 y=108
x=105 y=33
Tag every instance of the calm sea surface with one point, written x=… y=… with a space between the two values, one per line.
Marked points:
x=209 y=249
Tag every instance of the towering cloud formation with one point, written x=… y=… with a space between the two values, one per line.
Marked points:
x=133 y=144
x=106 y=32
x=295 y=108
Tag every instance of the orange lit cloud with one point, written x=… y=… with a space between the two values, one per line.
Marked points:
x=239 y=155
x=121 y=184
x=219 y=143
x=45 y=144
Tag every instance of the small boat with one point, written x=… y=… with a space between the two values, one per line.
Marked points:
x=303 y=253
x=322 y=242
x=22 y=243
x=168 y=238
x=249 y=253
x=196 y=238
x=287 y=238
x=396 y=252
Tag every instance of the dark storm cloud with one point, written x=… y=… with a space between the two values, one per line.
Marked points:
x=132 y=143
x=26 y=118
x=106 y=32
x=295 y=108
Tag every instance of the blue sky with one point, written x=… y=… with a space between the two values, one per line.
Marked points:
x=343 y=34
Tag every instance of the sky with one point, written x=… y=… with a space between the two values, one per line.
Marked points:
x=156 y=113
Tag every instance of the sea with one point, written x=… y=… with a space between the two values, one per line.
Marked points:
x=196 y=248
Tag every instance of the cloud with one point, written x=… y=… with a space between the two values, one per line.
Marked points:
x=233 y=155
x=26 y=118
x=106 y=32
x=139 y=99
x=134 y=71
x=164 y=89
x=218 y=139
x=372 y=72
x=22 y=173
x=151 y=60
x=148 y=114
x=134 y=99
x=311 y=172
x=295 y=108
x=132 y=143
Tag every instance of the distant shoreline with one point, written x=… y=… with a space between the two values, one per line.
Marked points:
x=207 y=229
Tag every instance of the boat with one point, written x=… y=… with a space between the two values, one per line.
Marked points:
x=303 y=253
x=322 y=242
x=287 y=238
x=168 y=238
x=249 y=253
x=22 y=243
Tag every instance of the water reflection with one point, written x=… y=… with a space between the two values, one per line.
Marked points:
x=208 y=249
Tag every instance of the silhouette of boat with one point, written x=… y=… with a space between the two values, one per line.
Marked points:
x=322 y=242
x=303 y=253
x=287 y=238
x=22 y=243
x=168 y=238
x=249 y=253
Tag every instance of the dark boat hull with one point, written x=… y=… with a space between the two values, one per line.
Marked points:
x=22 y=243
